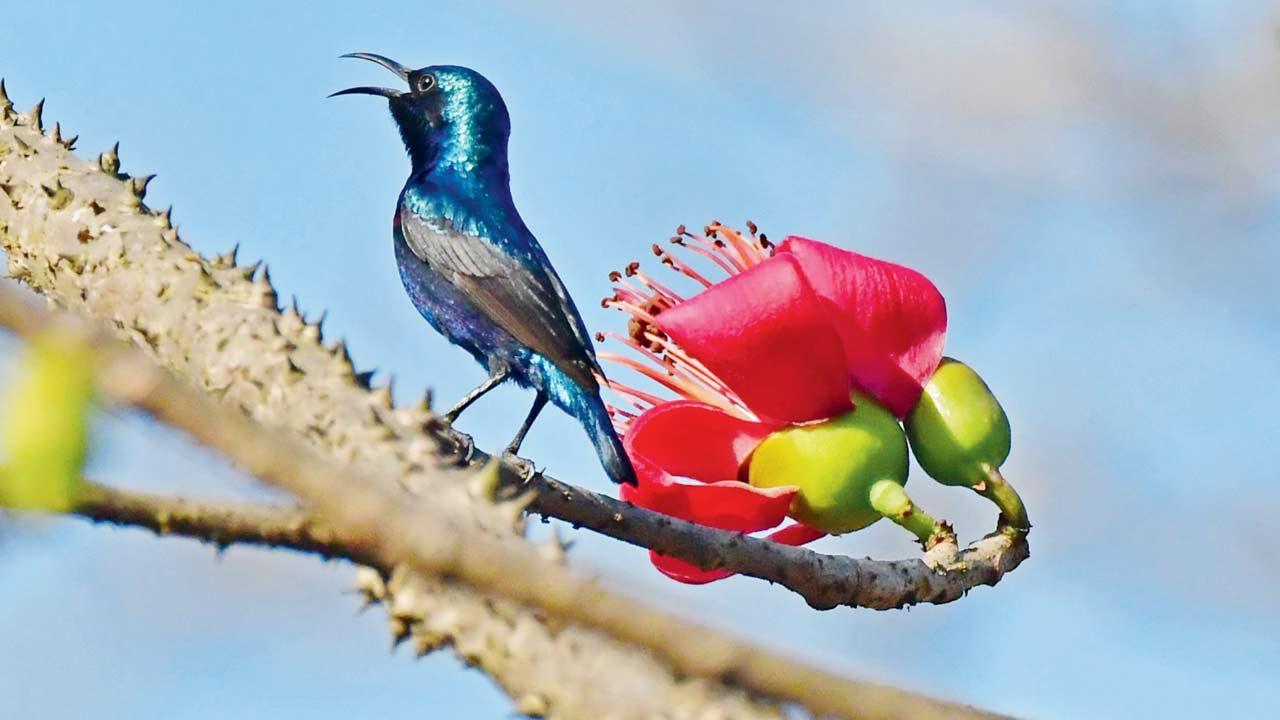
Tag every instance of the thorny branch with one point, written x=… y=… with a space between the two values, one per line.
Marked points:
x=80 y=234
x=218 y=523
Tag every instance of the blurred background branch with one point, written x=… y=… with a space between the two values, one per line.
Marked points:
x=221 y=524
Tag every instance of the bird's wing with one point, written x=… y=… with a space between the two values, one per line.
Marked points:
x=530 y=303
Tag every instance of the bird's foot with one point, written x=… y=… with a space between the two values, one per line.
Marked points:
x=463 y=446
x=524 y=467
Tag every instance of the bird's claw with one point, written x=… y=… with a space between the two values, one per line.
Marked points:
x=525 y=468
x=464 y=446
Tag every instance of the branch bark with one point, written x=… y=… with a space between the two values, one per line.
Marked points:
x=80 y=234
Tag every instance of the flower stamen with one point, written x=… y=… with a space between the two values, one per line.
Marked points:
x=639 y=398
x=726 y=262
x=679 y=384
x=675 y=263
x=630 y=308
x=666 y=293
x=751 y=253
x=675 y=354
x=643 y=298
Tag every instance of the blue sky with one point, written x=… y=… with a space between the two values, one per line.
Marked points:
x=1092 y=186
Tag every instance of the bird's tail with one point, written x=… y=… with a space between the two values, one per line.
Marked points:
x=595 y=418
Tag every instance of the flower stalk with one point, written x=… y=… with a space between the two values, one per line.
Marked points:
x=891 y=500
x=1013 y=514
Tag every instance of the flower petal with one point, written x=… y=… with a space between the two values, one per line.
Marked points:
x=687 y=439
x=767 y=335
x=693 y=440
x=793 y=534
x=727 y=505
x=891 y=319
x=796 y=534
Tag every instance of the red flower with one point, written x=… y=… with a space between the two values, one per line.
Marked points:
x=784 y=340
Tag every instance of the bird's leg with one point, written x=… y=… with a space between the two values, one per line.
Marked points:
x=497 y=376
x=539 y=402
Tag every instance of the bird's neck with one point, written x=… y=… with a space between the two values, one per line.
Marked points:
x=464 y=181
x=464 y=146
x=469 y=200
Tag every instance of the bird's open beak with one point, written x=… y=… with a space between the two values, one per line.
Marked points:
x=385 y=62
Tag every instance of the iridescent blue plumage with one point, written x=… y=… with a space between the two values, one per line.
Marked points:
x=470 y=265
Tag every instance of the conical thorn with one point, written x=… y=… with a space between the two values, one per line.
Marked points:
x=33 y=117
x=513 y=509
x=249 y=271
x=138 y=185
x=400 y=631
x=109 y=161
x=384 y=395
x=340 y=351
x=483 y=483
x=228 y=259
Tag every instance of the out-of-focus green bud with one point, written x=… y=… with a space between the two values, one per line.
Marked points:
x=44 y=428
x=835 y=463
x=958 y=431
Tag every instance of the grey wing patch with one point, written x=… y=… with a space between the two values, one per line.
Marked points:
x=529 y=303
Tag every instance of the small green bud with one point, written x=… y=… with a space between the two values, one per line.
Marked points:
x=958 y=431
x=835 y=463
x=45 y=433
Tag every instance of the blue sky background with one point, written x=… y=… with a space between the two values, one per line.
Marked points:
x=1092 y=185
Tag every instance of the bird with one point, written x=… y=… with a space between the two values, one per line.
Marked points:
x=470 y=265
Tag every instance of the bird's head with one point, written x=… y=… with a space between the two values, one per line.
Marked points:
x=449 y=116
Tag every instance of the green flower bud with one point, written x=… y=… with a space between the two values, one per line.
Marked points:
x=835 y=463
x=958 y=431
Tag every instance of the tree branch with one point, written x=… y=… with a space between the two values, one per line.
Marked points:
x=81 y=235
x=219 y=523
x=945 y=573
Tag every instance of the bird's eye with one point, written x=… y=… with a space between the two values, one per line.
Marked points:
x=426 y=82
